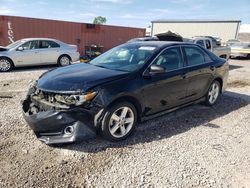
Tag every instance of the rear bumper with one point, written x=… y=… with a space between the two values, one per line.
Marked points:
x=52 y=127
x=75 y=56
x=225 y=77
x=237 y=54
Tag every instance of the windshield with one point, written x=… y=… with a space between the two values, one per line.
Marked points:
x=128 y=58
x=14 y=44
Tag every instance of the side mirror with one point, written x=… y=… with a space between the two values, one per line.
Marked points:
x=157 y=69
x=20 y=48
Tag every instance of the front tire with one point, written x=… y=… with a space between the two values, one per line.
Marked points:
x=64 y=60
x=213 y=93
x=5 y=65
x=119 y=122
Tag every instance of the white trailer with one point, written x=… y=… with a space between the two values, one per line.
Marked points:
x=224 y=29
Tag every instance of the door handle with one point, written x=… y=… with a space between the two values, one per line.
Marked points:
x=184 y=75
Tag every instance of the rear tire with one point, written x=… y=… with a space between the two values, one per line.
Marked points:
x=213 y=93
x=64 y=60
x=6 y=64
x=119 y=122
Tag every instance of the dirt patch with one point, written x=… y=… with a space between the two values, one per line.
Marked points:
x=197 y=146
x=239 y=83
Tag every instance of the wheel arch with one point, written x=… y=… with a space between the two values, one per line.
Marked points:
x=64 y=54
x=133 y=100
x=224 y=56
x=8 y=59
x=220 y=80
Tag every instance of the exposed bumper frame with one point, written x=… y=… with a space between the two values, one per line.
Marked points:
x=49 y=126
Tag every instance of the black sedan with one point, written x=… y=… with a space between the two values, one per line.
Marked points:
x=129 y=83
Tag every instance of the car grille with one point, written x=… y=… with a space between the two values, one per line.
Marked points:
x=46 y=101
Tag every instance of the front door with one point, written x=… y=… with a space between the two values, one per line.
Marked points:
x=165 y=90
x=29 y=54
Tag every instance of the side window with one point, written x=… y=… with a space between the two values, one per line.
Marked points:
x=208 y=44
x=53 y=44
x=196 y=56
x=31 y=45
x=200 y=42
x=171 y=59
x=48 y=44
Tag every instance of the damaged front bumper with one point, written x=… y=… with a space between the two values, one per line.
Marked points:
x=53 y=126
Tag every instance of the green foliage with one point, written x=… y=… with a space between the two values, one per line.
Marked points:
x=100 y=20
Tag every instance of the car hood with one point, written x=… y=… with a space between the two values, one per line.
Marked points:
x=2 y=49
x=77 y=78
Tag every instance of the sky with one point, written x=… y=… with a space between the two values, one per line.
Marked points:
x=134 y=13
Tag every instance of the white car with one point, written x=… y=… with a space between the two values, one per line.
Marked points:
x=37 y=51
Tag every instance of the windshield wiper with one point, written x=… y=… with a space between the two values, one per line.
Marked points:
x=111 y=68
x=100 y=66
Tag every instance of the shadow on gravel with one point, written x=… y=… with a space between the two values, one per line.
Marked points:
x=241 y=58
x=171 y=124
x=34 y=68
x=232 y=67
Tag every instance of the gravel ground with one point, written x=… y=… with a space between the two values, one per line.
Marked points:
x=197 y=146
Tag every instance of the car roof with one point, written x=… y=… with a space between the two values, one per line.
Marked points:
x=159 y=44
x=27 y=39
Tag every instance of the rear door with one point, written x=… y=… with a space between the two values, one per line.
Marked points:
x=165 y=90
x=49 y=51
x=200 y=71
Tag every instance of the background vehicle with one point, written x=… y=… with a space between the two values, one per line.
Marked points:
x=91 y=52
x=213 y=44
x=37 y=51
x=132 y=82
x=241 y=49
x=216 y=41
x=232 y=41
x=207 y=42
x=167 y=36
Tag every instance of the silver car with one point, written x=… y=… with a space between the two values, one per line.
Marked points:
x=241 y=49
x=37 y=51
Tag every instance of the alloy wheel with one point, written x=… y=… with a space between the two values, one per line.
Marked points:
x=213 y=93
x=5 y=65
x=121 y=122
x=64 y=61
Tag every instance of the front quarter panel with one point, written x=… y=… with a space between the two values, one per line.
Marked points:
x=10 y=54
x=126 y=87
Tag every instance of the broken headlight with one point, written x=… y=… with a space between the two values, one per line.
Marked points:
x=32 y=87
x=75 y=99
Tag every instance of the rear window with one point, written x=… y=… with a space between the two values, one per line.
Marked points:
x=196 y=56
x=48 y=44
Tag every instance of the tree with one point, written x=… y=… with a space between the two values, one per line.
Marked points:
x=100 y=20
